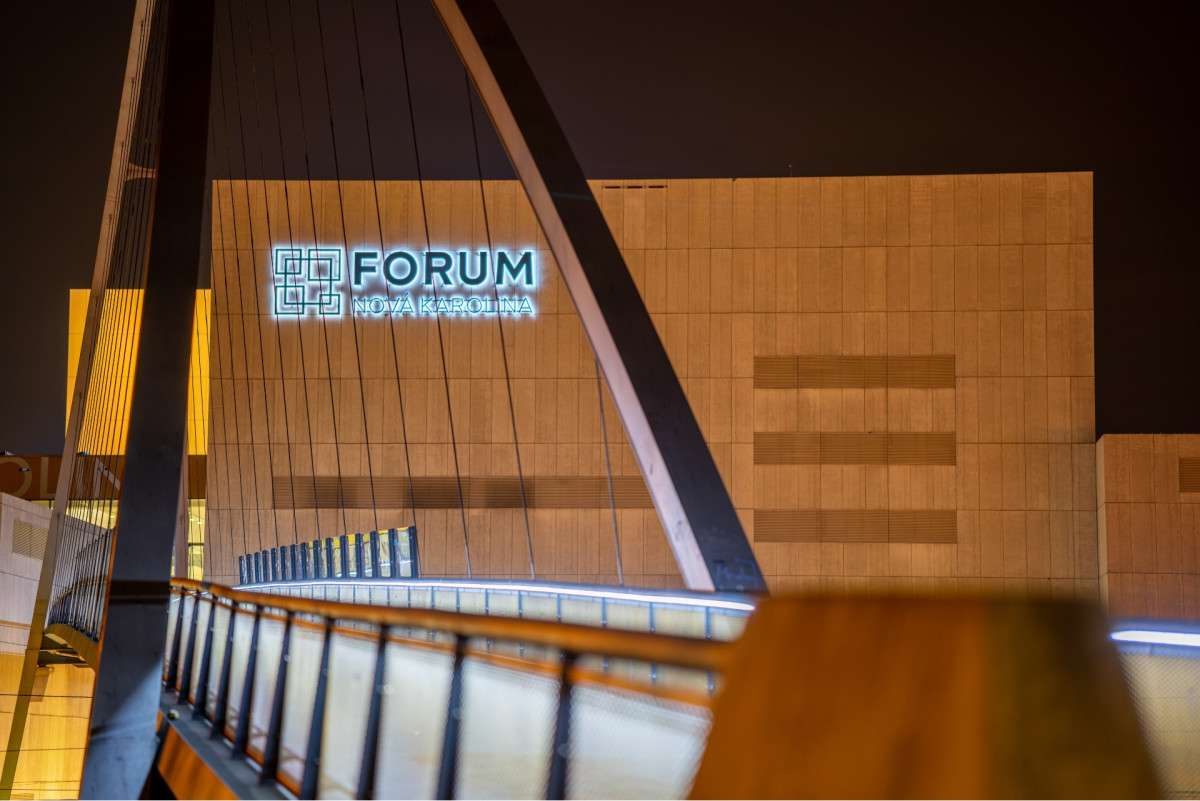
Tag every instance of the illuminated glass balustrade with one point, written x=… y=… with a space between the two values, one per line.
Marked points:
x=341 y=701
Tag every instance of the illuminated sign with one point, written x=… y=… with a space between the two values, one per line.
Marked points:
x=322 y=281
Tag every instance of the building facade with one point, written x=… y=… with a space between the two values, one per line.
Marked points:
x=894 y=374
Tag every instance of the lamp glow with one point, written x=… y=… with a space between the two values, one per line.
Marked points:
x=1146 y=637
x=547 y=589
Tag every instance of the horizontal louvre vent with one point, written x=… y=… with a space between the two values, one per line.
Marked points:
x=853 y=372
x=1189 y=474
x=29 y=539
x=789 y=447
x=854 y=525
x=441 y=492
x=775 y=372
x=848 y=447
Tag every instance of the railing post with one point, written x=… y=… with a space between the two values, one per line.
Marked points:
x=366 y=776
x=241 y=735
x=448 y=772
x=173 y=662
x=221 y=703
x=270 y=763
x=393 y=538
x=185 y=680
x=200 y=703
x=556 y=786
x=316 y=730
x=373 y=547
x=414 y=554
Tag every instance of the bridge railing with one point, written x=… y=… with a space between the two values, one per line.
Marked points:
x=336 y=699
x=390 y=554
x=79 y=592
x=720 y=616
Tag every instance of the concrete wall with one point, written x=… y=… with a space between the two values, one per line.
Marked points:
x=23 y=529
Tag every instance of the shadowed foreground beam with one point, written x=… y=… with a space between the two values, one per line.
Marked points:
x=925 y=698
x=122 y=742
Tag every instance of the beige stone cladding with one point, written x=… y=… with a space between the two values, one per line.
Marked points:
x=894 y=375
x=1149 y=520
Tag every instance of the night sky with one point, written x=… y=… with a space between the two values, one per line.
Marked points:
x=652 y=90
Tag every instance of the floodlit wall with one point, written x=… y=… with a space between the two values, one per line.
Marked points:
x=895 y=377
x=1149 y=488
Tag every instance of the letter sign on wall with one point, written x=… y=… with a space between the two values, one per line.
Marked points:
x=325 y=281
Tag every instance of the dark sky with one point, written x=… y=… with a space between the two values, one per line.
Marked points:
x=644 y=89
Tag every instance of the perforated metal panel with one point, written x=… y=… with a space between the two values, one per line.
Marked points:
x=1166 y=689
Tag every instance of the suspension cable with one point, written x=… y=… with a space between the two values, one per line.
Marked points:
x=109 y=430
x=262 y=356
x=612 y=501
x=512 y=415
x=287 y=208
x=287 y=431
x=437 y=315
x=337 y=179
x=412 y=498
x=324 y=328
x=225 y=125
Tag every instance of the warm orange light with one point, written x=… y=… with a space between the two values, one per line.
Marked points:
x=111 y=386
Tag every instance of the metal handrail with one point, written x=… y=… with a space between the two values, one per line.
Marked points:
x=192 y=650
x=579 y=639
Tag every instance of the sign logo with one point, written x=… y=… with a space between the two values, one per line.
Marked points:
x=322 y=281
x=305 y=281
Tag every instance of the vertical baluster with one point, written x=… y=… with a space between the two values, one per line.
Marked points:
x=241 y=735
x=316 y=731
x=604 y=625
x=448 y=772
x=201 y=702
x=373 y=547
x=270 y=761
x=366 y=776
x=413 y=553
x=185 y=680
x=221 y=703
x=173 y=662
x=85 y=589
x=556 y=786
x=85 y=594
x=393 y=538
x=653 y=666
x=708 y=633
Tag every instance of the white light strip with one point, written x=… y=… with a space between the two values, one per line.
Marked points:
x=1158 y=637
x=546 y=589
